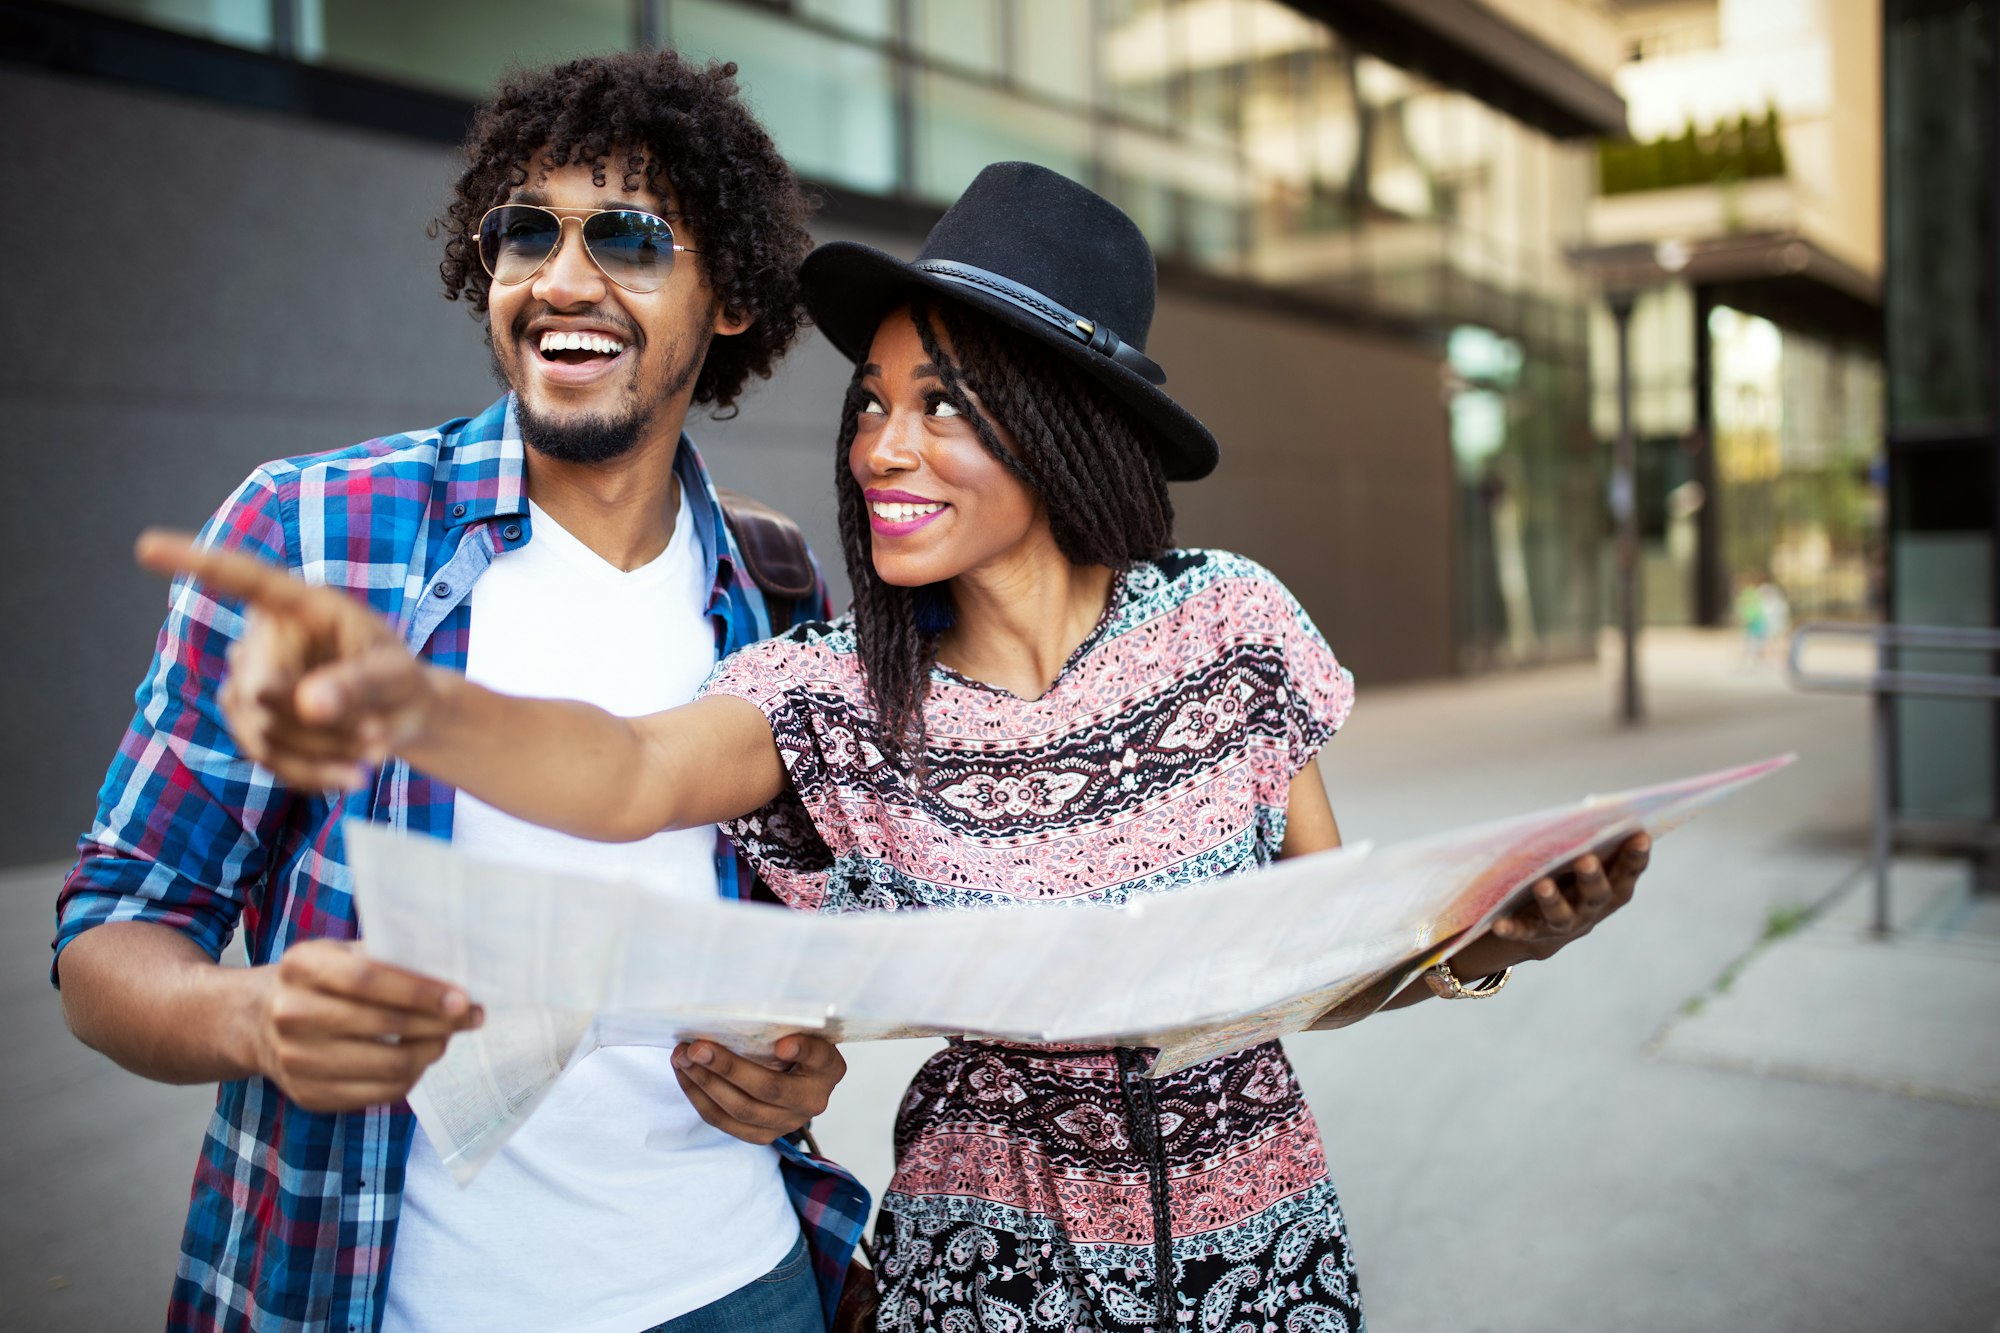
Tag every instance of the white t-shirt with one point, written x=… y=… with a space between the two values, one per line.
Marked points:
x=615 y=1207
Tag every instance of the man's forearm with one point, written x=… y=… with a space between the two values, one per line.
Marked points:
x=152 y=1000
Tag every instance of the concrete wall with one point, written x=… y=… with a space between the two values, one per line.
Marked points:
x=257 y=286
x=1336 y=473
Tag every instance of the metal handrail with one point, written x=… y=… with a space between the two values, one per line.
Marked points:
x=1883 y=685
x=1935 y=637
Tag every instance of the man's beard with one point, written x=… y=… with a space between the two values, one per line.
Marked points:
x=596 y=438
x=592 y=439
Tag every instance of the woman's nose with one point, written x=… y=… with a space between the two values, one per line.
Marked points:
x=889 y=449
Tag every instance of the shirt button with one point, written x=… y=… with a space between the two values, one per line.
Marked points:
x=440 y=589
x=458 y=511
x=512 y=532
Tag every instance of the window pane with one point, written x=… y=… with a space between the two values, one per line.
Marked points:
x=1944 y=750
x=964 y=126
x=874 y=19
x=463 y=47
x=1053 y=48
x=963 y=33
x=1138 y=60
x=829 y=106
x=237 y=22
x=1190 y=201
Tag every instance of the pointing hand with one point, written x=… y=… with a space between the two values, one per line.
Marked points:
x=319 y=685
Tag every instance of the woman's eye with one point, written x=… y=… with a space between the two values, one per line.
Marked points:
x=942 y=407
x=870 y=407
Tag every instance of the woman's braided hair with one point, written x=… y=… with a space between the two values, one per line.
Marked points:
x=1083 y=452
x=652 y=119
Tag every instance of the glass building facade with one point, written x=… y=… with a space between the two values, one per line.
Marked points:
x=1246 y=137
x=1250 y=141
x=1797 y=435
x=1797 y=442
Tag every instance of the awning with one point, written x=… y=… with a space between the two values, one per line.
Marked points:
x=1465 y=45
x=1779 y=275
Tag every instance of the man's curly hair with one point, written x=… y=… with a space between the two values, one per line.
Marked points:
x=655 y=119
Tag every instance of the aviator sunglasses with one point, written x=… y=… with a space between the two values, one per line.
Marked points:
x=632 y=248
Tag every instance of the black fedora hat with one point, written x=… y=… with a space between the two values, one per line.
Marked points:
x=1043 y=255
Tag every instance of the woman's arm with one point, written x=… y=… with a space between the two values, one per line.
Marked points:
x=1309 y=823
x=1560 y=908
x=579 y=770
x=320 y=687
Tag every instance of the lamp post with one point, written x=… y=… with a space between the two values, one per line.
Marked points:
x=1625 y=514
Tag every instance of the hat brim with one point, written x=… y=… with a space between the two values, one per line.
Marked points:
x=850 y=287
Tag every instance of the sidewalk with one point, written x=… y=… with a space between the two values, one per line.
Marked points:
x=1728 y=1109
x=1567 y=1165
x=1822 y=997
x=1556 y=1160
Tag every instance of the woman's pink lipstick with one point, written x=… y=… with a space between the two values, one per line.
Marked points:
x=884 y=527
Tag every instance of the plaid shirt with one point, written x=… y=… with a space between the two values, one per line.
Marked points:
x=293 y=1216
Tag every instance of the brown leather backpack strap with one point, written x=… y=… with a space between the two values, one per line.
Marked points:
x=774 y=552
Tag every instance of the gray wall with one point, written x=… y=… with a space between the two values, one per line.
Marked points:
x=1336 y=473
x=274 y=293
x=255 y=288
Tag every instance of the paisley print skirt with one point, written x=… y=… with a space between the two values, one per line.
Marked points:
x=1045 y=1189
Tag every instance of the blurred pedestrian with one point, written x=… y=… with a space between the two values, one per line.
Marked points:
x=1750 y=619
x=1764 y=615
x=1777 y=613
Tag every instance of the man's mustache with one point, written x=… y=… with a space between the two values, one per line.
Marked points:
x=599 y=315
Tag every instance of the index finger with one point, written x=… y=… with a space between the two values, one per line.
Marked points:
x=231 y=573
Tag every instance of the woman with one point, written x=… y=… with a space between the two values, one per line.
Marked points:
x=1034 y=699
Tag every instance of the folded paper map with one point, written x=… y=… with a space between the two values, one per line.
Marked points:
x=565 y=963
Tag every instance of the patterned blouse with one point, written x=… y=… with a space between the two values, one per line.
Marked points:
x=1051 y=1187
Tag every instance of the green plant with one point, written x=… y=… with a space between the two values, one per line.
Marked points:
x=1731 y=151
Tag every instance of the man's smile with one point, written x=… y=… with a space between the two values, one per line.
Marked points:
x=572 y=355
x=574 y=348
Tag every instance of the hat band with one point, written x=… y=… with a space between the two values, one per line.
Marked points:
x=1090 y=333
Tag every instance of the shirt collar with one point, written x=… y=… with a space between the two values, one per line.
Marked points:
x=486 y=467
x=718 y=551
x=487 y=477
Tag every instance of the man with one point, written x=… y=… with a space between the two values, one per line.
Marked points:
x=632 y=236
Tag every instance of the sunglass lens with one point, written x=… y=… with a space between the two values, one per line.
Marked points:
x=514 y=240
x=634 y=249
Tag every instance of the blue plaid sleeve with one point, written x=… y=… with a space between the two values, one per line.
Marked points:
x=183 y=819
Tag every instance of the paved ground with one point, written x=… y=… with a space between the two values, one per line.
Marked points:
x=1729 y=1108
x=1811 y=1005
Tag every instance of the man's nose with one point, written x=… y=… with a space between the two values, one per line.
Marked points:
x=571 y=277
